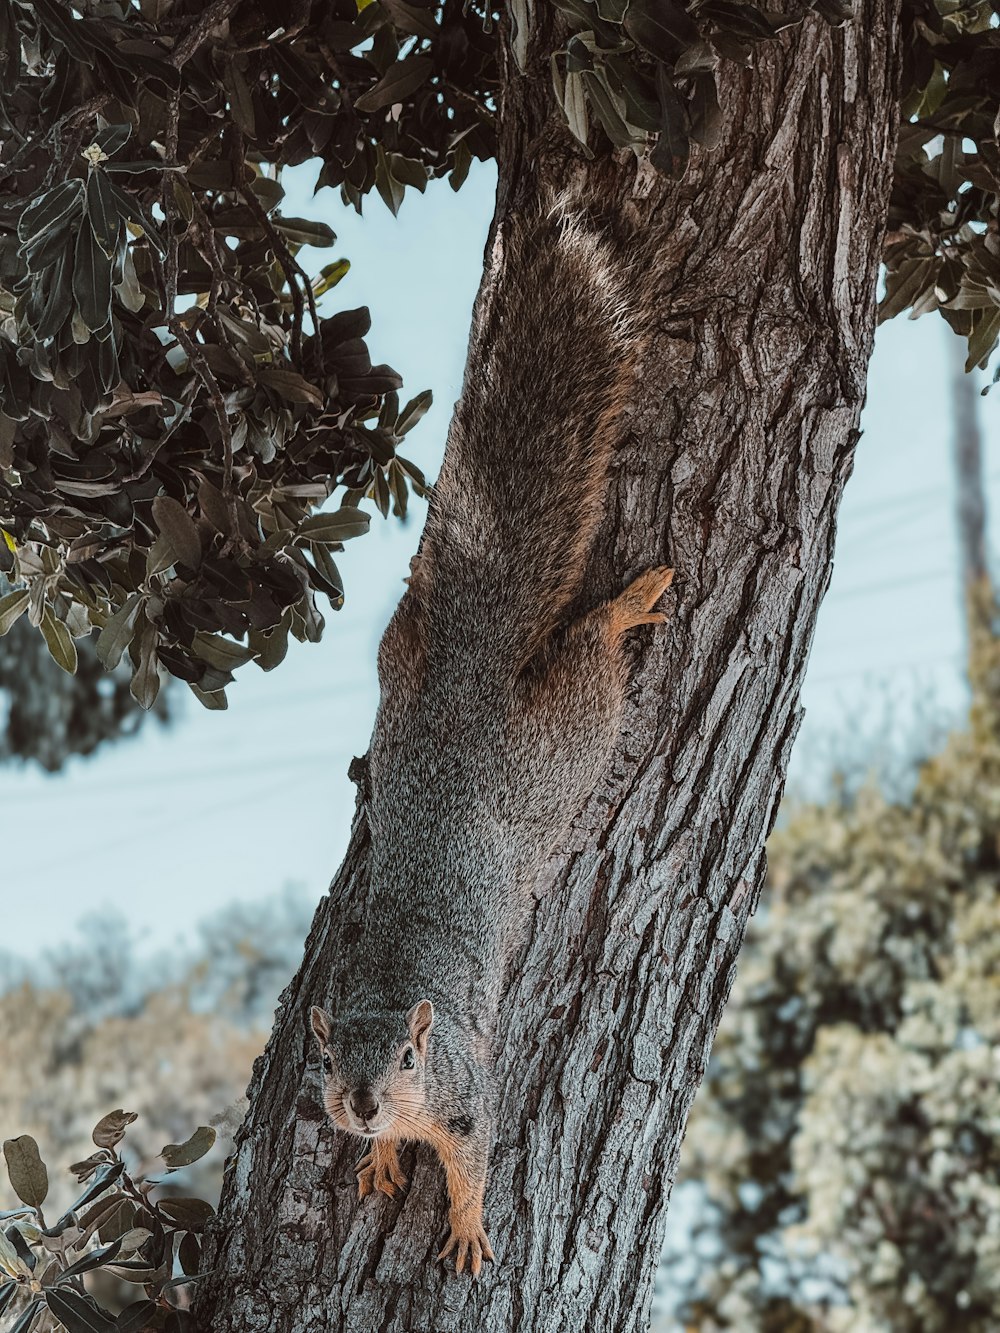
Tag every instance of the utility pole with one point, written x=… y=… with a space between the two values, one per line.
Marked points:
x=970 y=493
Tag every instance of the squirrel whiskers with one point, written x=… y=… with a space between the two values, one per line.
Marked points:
x=499 y=707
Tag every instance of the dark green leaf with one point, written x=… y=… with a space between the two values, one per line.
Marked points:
x=130 y=207
x=189 y=1254
x=103 y=211
x=59 y=301
x=225 y=655
x=271 y=648
x=214 y=700
x=401 y=79
x=201 y=1141
x=93 y=1259
x=240 y=97
x=145 y=684
x=336 y=526
x=113 y=137
x=27 y=1172
x=91 y=280
x=610 y=116
x=290 y=385
x=578 y=57
x=116 y=635
x=392 y=191
x=12 y=606
x=671 y=151
x=103 y=1179
x=27 y=1318
x=636 y=93
x=80 y=1314
x=135 y=1317
x=24 y=1251
x=661 y=27
x=187 y=1214
x=177 y=525
x=8 y=1290
x=59 y=641
x=705 y=112
x=741 y=20
x=836 y=12
x=463 y=161
x=55 y=210
x=983 y=338
x=408 y=170
x=213 y=506
x=413 y=411
x=411 y=19
x=303 y=231
x=117 y=1221
x=101 y=1212
x=110 y=1129
x=905 y=284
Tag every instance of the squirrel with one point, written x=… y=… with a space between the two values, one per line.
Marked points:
x=498 y=710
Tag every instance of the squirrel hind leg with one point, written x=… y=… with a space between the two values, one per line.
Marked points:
x=635 y=605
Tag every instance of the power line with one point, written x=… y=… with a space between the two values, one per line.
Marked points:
x=827 y=679
x=142 y=833
x=320 y=758
x=888 y=585
x=873 y=506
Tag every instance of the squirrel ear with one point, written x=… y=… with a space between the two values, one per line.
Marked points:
x=419 y=1021
x=321 y=1023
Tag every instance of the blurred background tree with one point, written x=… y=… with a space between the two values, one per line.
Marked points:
x=99 y=1023
x=49 y=715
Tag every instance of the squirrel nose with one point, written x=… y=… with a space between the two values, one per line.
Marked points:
x=364 y=1104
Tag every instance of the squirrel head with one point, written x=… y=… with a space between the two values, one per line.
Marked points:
x=374 y=1068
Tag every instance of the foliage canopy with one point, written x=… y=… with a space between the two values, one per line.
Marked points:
x=173 y=407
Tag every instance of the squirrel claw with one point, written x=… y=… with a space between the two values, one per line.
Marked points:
x=381 y=1172
x=472 y=1245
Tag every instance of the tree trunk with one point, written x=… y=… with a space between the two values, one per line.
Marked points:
x=741 y=439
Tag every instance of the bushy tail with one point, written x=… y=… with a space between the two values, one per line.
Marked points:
x=552 y=358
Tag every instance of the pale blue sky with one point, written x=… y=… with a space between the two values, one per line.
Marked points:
x=230 y=805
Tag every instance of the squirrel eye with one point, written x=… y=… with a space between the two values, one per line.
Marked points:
x=327 y=1063
x=408 y=1060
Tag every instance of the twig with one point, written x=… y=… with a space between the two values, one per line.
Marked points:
x=292 y=269
x=204 y=373
x=217 y=12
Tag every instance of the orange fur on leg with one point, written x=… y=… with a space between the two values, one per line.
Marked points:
x=379 y=1169
x=467 y=1239
x=635 y=605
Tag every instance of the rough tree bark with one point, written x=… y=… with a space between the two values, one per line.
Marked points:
x=741 y=439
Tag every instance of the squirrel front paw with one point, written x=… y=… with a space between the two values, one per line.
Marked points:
x=379 y=1170
x=468 y=1241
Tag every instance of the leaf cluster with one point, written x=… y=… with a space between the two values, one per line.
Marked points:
x=943 y=243
x=173 y=408
x=645 y=70
x=123 y=1225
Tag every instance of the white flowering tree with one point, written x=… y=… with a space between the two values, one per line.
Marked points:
x=848 y=1133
